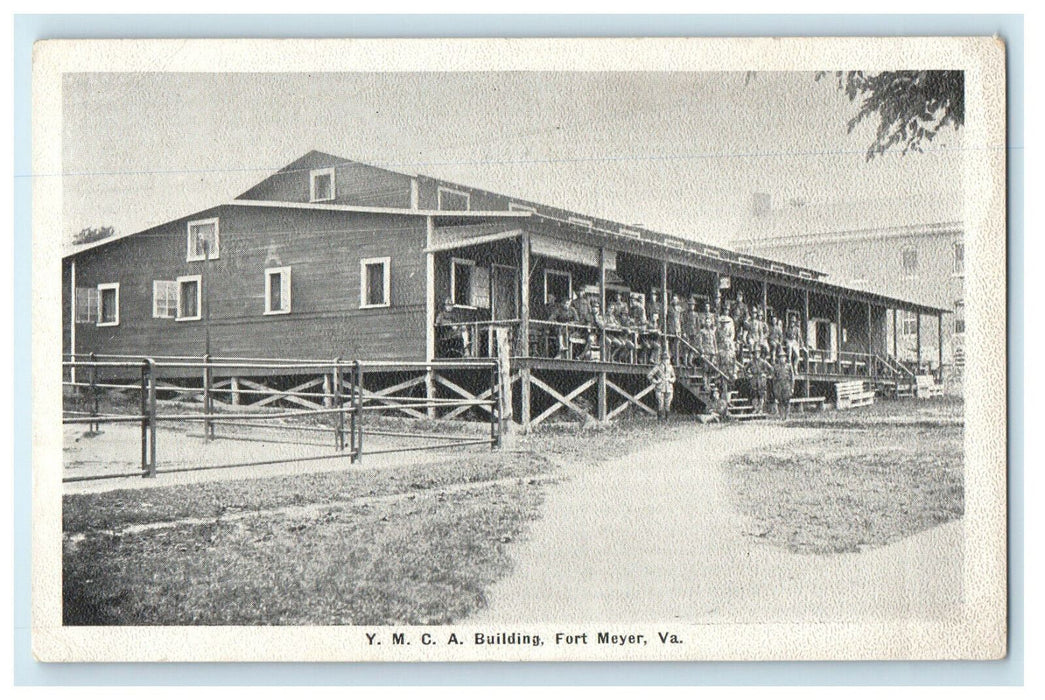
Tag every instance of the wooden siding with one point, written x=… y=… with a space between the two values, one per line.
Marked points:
x=323 y=250
x=354 y=183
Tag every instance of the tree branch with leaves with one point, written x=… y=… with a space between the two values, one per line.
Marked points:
x=912 y=107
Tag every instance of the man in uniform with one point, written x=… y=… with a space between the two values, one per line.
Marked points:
x=783 y=384
x=662 y=377
x=726 y=342
x=639 y=326
x=691 y=331
x=740 y=316
x=653 y=307
x=617 y=337
x=451 y=331
x=776 y=337
x=559 y=313
x=794 y=344
x=674 y=318
x=706 y=344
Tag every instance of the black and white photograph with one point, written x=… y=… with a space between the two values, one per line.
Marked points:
x=546 y=350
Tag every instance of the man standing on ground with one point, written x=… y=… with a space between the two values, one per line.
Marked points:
x=662 y=377
x=783 y=384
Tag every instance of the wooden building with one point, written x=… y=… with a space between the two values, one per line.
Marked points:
x=332 y=258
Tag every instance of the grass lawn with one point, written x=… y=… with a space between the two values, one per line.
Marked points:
x=417 y=544
x=864 y=480
x=354 y=548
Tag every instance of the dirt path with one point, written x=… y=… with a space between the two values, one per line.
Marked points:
x=657 y=540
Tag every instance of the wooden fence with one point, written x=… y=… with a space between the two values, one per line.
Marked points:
x=252 y=393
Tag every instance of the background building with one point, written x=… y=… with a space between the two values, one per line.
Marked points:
x=910 y=247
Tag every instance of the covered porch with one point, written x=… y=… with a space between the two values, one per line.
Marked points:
x=502 y=280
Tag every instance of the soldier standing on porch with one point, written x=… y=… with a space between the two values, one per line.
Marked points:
x=691 y=331
x=727 y=353
x=740 y=317
x=559 y=313
x=451 y=332
x=653 y=307
x=662 y=377
x=674 y=318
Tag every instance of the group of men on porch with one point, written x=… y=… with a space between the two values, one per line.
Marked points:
x=693 y=335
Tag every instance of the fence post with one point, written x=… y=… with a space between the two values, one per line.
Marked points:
x=357 y=415
x=92 y=396
x=144 y=413
x=495 y=407
x=208 y=425
x=152 y=418
x=148 y=416
x=339 y=404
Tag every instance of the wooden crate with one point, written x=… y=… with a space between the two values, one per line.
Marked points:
x=852 y=395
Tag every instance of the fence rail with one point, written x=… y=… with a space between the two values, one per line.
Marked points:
x=329 y=396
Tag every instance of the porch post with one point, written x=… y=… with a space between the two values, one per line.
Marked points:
x=896 y=335
x=524 y=398
x=939 y=343
x=72 y=324
x=805 y=319
x=718 y=293
x=429 y=315
x=918 y=339
x=664 y=300
x=765 y=296
x=838 y=334
x=523 y=349
x=869 y=344
x=602 y=310
x=601 y=390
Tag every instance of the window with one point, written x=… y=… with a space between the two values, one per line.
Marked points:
x=578 y=221
x=109 y=304
x=164 y=299
x=910 y=261
x=910 y=323
x=204 y=242
x=959 y=258
x=453 y=200
x=86 y=304
x=559 y=283
x=461 y=279
x=321 y=185
x=959 y=316
x=277 y=290
x=190 y=298
x=374 y=282
x=512 y=206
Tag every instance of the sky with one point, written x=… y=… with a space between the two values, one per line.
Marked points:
x=680 y=153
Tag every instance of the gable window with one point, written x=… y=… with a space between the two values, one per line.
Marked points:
x=559 y=283
x=190 y=298
x=204 y=242
x=462 y=272
x=164 y=299
x=321 y=185
x=109 y=304
x=277 y=290
x=86 y=304
x=909 y=260
x=453 y=200
x=959 y=259
x=374 y=283
x=910 y=323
